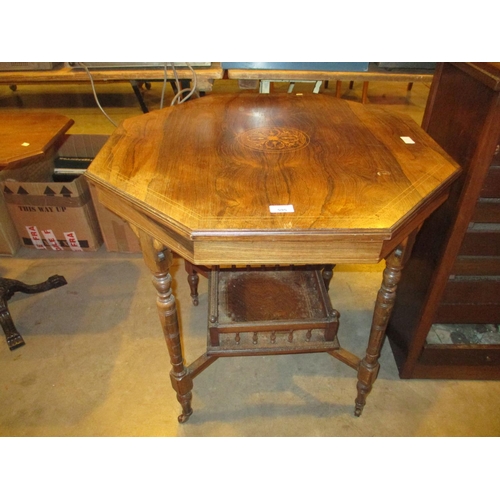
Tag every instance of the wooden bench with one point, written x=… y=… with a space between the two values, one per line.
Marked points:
x=374 y=73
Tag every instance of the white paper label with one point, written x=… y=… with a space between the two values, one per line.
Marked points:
x=407 y=140
x=73 y=242
x=281 y=209
x=35 y=237
x=50 y=238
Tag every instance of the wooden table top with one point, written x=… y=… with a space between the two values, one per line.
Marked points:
x=25 y=136
x=224 y=169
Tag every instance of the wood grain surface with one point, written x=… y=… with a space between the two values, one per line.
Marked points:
x=66 y=74
x=374 y=73
x=28 y=135
x=208 y=172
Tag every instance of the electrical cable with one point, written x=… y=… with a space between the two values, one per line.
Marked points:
x=95 y=94
x=195 y=83
x=177 y=84
x=177 y=96
x=176 y=99
x=164 y=84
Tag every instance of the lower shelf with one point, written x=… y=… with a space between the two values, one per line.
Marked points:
x=275 y=342
x=270 y=311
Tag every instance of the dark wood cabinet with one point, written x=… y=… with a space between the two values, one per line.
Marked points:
x=453 y=275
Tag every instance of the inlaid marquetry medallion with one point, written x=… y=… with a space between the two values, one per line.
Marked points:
x=273 y=139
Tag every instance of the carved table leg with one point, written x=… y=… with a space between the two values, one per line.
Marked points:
x=193 y=280
x=8 y=287
x=369 y=366
x=158 y=259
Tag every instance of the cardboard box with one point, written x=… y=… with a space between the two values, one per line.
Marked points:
x=72 y=157
x=117 y=235
x=10 y=241
x=75 y=154
x=53 y=215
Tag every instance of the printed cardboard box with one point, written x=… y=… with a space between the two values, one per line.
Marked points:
x=32 y=171
x=73 y=153
x=53 y=215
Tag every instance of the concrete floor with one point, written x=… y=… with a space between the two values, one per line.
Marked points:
x=95 y=362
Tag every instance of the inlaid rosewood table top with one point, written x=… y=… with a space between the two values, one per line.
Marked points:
x=275 y=179
x=219 y=173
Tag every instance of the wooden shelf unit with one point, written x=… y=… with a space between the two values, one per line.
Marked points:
x=453 y=276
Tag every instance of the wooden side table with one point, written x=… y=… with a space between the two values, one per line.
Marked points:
x=25 y=138
x=29 y=137
x=276 y=179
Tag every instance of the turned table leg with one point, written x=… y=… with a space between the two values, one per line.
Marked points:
x=369 y=366
x=158 y=258
x=193 y=280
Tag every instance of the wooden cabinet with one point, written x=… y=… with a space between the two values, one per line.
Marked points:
x=453 y=275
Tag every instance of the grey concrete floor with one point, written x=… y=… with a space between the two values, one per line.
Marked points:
x=95 y=361
x=95 y=364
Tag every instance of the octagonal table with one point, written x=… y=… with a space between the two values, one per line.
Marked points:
x=279 y=179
